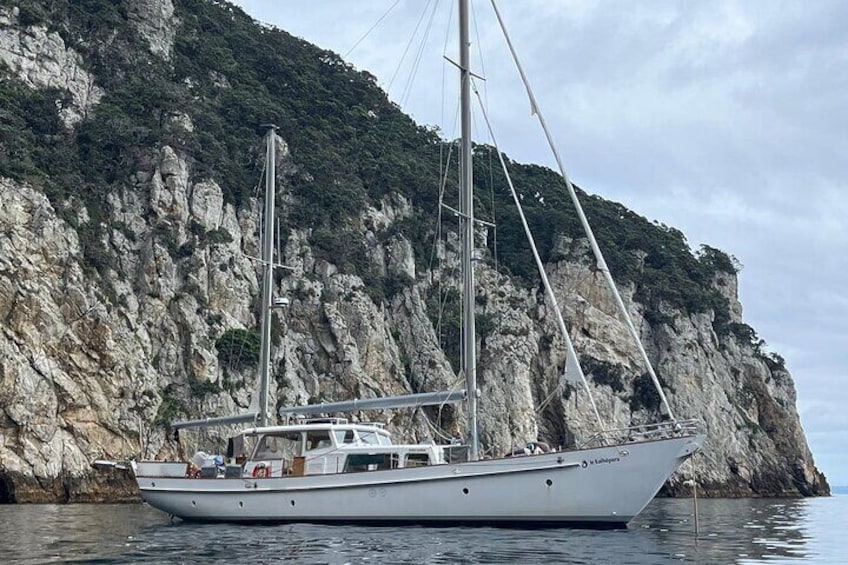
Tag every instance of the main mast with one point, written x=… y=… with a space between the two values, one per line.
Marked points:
x=267 y=273
x=466 y=223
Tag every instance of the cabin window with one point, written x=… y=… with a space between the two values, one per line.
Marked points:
x=317 y=439
x=374 y=438
x=369 y=437
x=344 y=436
x=277 y=447
x=370 y=462
x=417 y=460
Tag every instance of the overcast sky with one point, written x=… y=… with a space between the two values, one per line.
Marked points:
x=725 y=119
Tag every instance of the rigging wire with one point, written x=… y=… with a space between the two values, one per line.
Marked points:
x=262 y=235
x=442 y=143
x=372 y=28
x=444 y=171
x=485 y=103
x=407 y=89
x=444 y=163
x=436 y=430
x=548 y=289
x=279 y=250
x=460 y=379
x=593 y=243
x=444 y=67
x=408 y=45
x=549 y=398
x=474 y=123
x=480 y=53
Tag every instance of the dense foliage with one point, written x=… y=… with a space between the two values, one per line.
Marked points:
x=603 y=372
x=350 y=146
x=238 y=348
x=655 y=258
x=444 y=310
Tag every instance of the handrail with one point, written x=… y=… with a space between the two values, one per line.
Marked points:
x=642 y=432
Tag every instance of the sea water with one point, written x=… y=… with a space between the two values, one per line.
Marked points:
x=743 y=531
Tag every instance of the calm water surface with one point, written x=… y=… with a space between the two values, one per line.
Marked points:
x=731 y=531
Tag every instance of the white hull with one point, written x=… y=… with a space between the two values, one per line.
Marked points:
x=604 y=486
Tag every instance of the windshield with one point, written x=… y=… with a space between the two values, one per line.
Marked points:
x=317 y=439
x=374 y=438
x=344 y=436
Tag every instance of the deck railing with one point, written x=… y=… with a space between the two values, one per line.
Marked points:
x=644 y=432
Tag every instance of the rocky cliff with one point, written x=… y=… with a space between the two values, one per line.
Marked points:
x=121 y=317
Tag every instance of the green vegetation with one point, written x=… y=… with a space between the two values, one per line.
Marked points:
x=238 y=348
x=603 y=372
x=444 y=311
x=218 y=236
x=775 y=362
x=170 y=407
x=655 y=258
x=486 y=324
x=203 y=388
x=645 y=395
x=350 y=146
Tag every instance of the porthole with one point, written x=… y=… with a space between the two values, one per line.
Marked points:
x=549 y=482
x=241 y=504
x=292 y=502
x=465 y=490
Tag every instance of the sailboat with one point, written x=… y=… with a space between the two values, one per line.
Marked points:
x=328 y=469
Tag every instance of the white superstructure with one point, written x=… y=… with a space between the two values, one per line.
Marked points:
x=335 y=471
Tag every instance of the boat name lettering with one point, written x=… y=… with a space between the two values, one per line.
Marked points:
x=602 y=460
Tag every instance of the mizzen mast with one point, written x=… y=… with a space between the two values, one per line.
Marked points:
x=466 y=223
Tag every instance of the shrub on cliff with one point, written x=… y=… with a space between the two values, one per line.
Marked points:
x=238 y=348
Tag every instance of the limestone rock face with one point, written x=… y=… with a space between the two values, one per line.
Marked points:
x=41 y=60
x=154 y=20
x=86 y=358
x=94 y=363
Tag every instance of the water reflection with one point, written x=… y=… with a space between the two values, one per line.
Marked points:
x=731 y=531
x=43 y=533
x=304 y=543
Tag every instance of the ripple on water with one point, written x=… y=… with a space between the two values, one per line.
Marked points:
x=731 y=531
